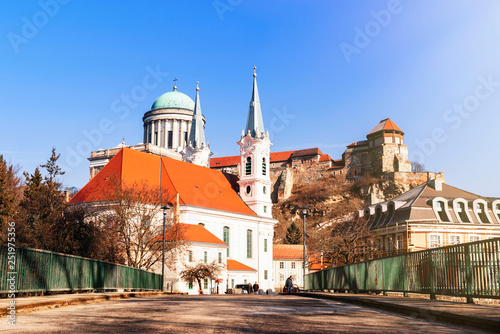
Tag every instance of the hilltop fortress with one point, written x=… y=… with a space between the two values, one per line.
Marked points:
x=383 y=155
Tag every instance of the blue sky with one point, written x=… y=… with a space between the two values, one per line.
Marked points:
x=328 y=72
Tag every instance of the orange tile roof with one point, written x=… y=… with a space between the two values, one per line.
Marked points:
x=359 y=142
x=191 y=232
x=336 y=167
x=306 y=152
x=197 y=186
x=224 y=161
x=280 y=156
x=273 y=156
x=385 y=124
x=325 y=157
x=288 y=252
x=235 y=265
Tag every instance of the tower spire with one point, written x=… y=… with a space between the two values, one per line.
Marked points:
x=255 y=124
x=197 y=134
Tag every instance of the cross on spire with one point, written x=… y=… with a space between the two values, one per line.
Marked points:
x=175 y=83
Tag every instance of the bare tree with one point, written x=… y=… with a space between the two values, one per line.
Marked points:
x=201 y=271
x=135 y=211
x=417 y=167
x=350 y=242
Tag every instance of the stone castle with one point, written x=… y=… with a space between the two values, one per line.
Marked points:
x=383 y=155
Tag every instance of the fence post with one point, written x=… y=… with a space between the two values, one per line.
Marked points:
x=405 y=277
x=431 y=273
x=468 y=273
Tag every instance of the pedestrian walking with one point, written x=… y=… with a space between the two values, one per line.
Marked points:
x=256 y=287
x=289 y=284
x=250 y=288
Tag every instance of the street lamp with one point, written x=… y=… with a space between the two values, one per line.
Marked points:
x=165 y=208
x=304 y=215
x=321 y=259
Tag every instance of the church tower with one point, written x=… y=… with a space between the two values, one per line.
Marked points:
x=255 y=181
x=197 y=150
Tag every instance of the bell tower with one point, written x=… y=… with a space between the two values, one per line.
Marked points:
x=255 y=181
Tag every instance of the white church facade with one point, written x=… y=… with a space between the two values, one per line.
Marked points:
x=233 y=218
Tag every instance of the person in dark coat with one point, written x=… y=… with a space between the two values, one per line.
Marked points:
x=250 y=288
x=256 y=287
x=289 y=284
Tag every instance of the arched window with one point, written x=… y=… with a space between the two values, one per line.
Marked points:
x=264 y=166
x=225 y=237
x=249 y=244
x=248 y=166
x=480 y=209
x=441 y=210
x=460 y=207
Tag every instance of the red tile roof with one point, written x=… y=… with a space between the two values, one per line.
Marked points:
x=325 y=157
x=336 y=167
x=274 y=157
x=197 y=186
x=224 y=161
x=306 y=152
x=191 y=232
x=385 y=124
x=295 y=252
x=280 y=156
x=235 y=265
x=358 y=143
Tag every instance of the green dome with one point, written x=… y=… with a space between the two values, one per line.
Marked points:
x=173 y=100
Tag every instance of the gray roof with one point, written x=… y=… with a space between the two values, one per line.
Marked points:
x=255 y=124
x=197 y=133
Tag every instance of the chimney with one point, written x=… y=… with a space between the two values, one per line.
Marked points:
x=437 y=184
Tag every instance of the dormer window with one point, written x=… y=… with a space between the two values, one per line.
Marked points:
x=481 y=212
x=441 y=211
x=460 y=210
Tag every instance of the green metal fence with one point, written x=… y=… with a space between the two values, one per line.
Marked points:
x=466 y=270
x=37 y=270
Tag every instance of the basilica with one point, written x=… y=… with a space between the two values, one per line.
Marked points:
x=228 y=219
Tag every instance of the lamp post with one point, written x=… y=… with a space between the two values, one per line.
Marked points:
x=304 y=215
x=321 y=259
x=165 y=208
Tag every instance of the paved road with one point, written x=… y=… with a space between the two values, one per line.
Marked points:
x=221 y=314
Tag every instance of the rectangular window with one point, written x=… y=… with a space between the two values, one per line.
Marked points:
x=434 y=240
x=205 y=257
x=399 y=243
x=225 y=238
x=454 y=239
x=265 y=209
x=190 y=256
x=232 y=283
x=170 y=139
x=473 y=238
x=220 y=257
x=282 y=278
x=380 y=244
x=293 y=265
x=190 y=285
x=205 y=283
x=282 y=265
x=265 y=245
x=186 y=138
x=249 y=244
x=390 y=244
x=265 y=274
x=245 y=281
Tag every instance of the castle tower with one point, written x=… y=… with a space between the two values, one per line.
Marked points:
x=255 y=181
x=388 y=151
x=197 y=150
